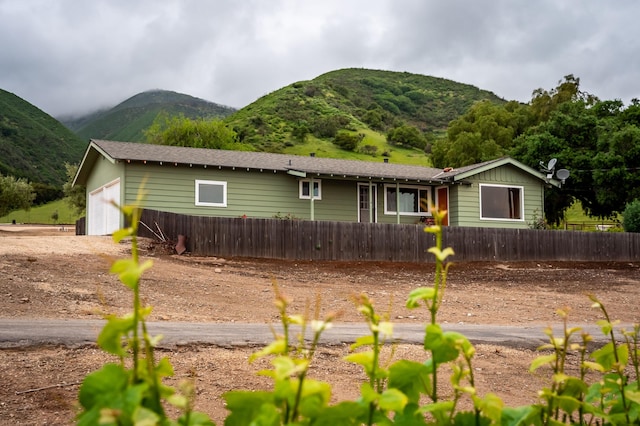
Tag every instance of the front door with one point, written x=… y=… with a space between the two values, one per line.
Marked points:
x=442 y=196
x=366 y=203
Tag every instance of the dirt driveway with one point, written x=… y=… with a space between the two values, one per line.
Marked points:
x=47 y=272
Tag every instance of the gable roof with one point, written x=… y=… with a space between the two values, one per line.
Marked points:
x=293 y=164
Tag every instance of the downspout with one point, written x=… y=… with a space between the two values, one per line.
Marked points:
x=397 y=203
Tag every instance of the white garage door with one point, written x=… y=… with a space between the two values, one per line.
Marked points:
x=102 y=216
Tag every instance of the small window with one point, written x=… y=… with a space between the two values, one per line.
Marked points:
x=305 y=184
x=414 y=200
x=500 y=202
x=211 y=193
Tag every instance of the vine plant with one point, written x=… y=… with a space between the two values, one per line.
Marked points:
x=400 y=392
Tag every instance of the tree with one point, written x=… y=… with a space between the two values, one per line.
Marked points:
x=407 y=135
x=182 y=131
x=75 y=195
x=347 y=140
x=15 y=194
x=631 y=217
x=485 y=132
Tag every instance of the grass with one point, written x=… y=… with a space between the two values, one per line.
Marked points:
x=577 y=219
x=44 y=214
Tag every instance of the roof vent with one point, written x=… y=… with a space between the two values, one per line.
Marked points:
x=312 y=154
x=386 y=160
x=447 y=169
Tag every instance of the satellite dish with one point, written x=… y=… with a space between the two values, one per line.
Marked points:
x=562 y=174
x=552 y=164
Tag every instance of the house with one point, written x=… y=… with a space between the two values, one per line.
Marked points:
x=205 y=182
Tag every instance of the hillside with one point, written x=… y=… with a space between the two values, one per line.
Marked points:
x=368 y=102
x=128 y=120
x=34 y=145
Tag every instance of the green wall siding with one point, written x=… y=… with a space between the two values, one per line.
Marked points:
x=252 y=193
x=465 y=199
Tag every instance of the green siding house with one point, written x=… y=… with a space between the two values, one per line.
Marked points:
x=206 y=182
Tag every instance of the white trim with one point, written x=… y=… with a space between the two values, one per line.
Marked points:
x=419 y=188
x=211 y=182
x=372 y=189
x=522 y=212
x=308 y=197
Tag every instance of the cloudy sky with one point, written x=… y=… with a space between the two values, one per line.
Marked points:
x=74 y=56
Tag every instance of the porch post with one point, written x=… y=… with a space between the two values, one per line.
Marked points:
x=312 y=197
x=397 y=203
x=370 y=203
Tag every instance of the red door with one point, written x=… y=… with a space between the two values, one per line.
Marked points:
x=443 y=202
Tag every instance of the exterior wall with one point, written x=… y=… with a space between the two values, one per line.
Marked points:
x=252 y=193
x=466 y=198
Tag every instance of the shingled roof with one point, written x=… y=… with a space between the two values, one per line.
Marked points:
x=294 y=164
x=129 y=151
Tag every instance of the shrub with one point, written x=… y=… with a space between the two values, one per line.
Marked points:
x=347 y=140
x=401 y=392
x=631 y=217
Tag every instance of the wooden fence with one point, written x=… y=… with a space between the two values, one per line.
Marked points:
x=344 y=241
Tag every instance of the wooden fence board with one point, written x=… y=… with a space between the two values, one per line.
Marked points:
x=345 y=241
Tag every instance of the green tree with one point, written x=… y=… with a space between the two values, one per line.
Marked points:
x=75 y=195
x=15 y=194
x=631 y=216
x=347 y=140
x=407 y=135
x=182 y=131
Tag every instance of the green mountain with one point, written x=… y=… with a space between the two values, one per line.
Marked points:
x=307 y=115
x=128 y=120
x=34 y=145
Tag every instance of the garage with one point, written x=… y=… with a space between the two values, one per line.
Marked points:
x=103 y=216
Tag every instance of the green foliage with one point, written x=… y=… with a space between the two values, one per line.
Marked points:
x=182 y=131
x=347 y=140
x=631 y=217
x=485 y=132
x=408 y=136
x=43 y=214
x=33 y=145
x=128 y=120
x=131 y=392
x=399 y=392
x=15 y=194
x=366 y=101
x=75 y=195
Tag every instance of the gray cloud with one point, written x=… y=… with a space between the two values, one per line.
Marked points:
x=67 y=56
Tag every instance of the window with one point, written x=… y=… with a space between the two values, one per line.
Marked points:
x=211 y=193
x=305 y=184
x=414 y=200
x=500 y=202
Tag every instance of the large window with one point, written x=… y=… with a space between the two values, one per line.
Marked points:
x=305 y=185
x=414 y=200
x=501 y=202
x=211 y=193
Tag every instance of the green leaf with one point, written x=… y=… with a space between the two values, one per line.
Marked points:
x=419 y=294
x=277 y=347
x=164 y=368
x=490 y=405
x=121 y=234
x=441 y=255
x=110 y=378
x=364 y=359
x=362 y=341
x=605 y=356
x=521 y=416
x=410 y=377
x=196 y=418
x=144 y=417
x=393 y=400
x=593 y=366
x=443 y=346
x=110 y=337
x=632 y=395
x=542 y=360
x=245 y=406
x=344 y=413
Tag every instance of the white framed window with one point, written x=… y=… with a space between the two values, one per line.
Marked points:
x=501 y=202
x=414 y=200
x=305 y=185
x=211 y=193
